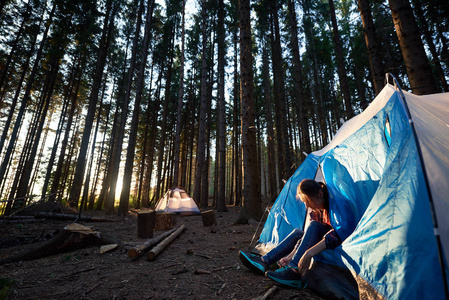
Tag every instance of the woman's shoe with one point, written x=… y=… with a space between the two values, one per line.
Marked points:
x=286 y=276
x=253 y=262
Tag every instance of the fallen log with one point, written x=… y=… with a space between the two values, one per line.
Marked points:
x=107 y=248
x=16 y=217
x=267 y=293
x=161 y=246
x=20 y=221
x=73 y=237
x=50 y=215
x=136 y=252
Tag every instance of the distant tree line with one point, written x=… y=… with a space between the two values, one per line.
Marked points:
x=106 y=104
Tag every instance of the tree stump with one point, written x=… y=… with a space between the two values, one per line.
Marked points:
x=145 y=224
x=74 y=236
x=164 y=221
x=208 y=218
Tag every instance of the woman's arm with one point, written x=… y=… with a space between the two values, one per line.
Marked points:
x=305 y=260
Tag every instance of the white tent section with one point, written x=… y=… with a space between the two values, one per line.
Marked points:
x=177 y=201
x=430 y=117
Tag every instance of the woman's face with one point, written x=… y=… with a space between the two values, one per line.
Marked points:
x=313 y=202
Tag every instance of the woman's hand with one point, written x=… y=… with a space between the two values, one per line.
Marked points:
x=304 y=263
x=284 y=261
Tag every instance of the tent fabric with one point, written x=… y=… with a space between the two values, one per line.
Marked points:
x=379 y=201
x=177 y=201
x=430 y=115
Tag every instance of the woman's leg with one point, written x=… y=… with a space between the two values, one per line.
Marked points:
x=284 y=248
x=313 y=234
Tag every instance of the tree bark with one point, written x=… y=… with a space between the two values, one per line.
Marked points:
x=284 y=153
x=201 y=151
x=22 y=189
x=177 y=160
x=106 y=38
x=251 y=182
x=372 y=45
x=221 y=199
x=268 y=116
x=25 y=98
x=342 y=76
x=164 y=125
x=5 y=68
x=124 y=197
x=432 y=48
x=419 y=71
x=237 y=183
x=299 y=85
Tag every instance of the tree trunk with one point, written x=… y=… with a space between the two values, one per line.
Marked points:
x=99 y=164
x=270 y=132
x=237 y=183
x=251 y=182
x=432 y=48
x=180 y=100
x=342 y=76
x=284 y=152
x=74 y=81
x=419 y=71
x=106 y=37
x=164 y=126
x=299 y=86
x=73 y=96
x=22 y=189
x=118 y=146
x=201 y=153
x=124 y=197
x=5 y=68
x=372 y=45
x=25 y=98
x=221 y=199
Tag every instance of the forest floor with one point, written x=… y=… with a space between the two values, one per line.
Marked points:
x=202 y=263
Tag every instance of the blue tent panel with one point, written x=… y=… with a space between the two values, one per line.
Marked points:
x=379 y=205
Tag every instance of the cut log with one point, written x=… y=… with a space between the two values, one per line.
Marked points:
x=164 y=221
x=50 y=215
x=139 y=250
x=267 y=293
x=107 y=248
x=73 y=237
x=16 y=217
x=145 y=224
x=161 y=246
x=208 y=218
x=20 y=221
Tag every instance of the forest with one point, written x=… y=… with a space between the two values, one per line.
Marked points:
x=106 y=104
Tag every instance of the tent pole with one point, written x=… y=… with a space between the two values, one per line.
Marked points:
x=426 y=180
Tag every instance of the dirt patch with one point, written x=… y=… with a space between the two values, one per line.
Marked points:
x=202 y=263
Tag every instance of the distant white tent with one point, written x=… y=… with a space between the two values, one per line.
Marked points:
x=177 y=201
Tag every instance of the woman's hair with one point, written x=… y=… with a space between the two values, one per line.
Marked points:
x=309 y=187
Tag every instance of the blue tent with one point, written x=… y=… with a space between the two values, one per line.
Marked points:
x=387 y=171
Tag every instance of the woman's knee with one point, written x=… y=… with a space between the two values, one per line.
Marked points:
x=297 y=232
x=315 y=224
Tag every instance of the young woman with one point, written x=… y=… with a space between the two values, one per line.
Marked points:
x=295 y=252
